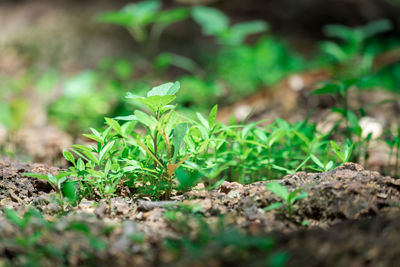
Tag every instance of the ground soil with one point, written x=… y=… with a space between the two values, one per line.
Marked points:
x=352 y=215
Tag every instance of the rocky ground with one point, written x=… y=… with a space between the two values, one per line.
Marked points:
x=351 y=217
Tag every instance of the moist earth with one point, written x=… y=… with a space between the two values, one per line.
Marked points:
x=351 y=217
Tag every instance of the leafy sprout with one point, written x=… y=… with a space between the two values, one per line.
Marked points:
x=288 y=198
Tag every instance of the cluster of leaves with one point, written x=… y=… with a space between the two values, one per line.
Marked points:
x=243 y=67
x=257 y=63
x=137 y=17
x=33 y=240
x=393 y=141
x=202 y=242
x=215 y=23
x=357 y=138
x=153 y=148
x=355 y=47
x=288 y=198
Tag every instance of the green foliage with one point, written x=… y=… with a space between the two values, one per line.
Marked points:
x=288 y=199
x=393 y=142
x=354 y=47
x=59 y=183
x=157 y=150
x=219 y=241
x=33 y=240
x=216 y=23
x=353 y=131
x=246 y=68
x=137 y=16
x=122 y=155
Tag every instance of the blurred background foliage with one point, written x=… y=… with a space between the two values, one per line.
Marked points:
x=70 y=64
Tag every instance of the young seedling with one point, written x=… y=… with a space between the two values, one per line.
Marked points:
x=56 y=183
x=288 y=199
x=26 y=237
x=214 y=22
x=344 y=153
x=137 y=17
x=353 y=48
x=162 y=125
x=393 y=141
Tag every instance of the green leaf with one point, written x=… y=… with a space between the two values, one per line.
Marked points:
x=376 y=27
x=93 y=137
x=212 y=117
x=87 y=151
x=115 y=125
x=177 y=139
x=352 y=119
x=339 y=31
x=123 y=68
x=317 y=161
x=80 y=165
x=186 y=179
x=107 y=168
x=293 y=199
x=328 y=89
x=104 y=150
x=38 y=176
x=171 y=16
x=138 y=14
x=82 y=147
x=203 y=120
x=70 y=191
x=143 y=12
x=334 y=50
x=164 y=89
x=339 y=110
x=157 y=102
x=329 y=166
x=145 y=119
x=212 y=21
x=119 y=18
x=126 y=118
x=278 y=190
x=240 y=31
x=274 y=206
x=13 y=217
x=96 y=173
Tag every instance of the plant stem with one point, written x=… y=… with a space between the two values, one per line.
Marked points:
x=397 y=159
x=390 y=161
x=155 y=148
x=269 y=164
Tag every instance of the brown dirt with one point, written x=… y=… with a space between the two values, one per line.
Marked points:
x=353 y=220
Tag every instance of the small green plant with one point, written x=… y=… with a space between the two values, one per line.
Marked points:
x=354 y=48
x=216 y=23
x=144 y=161
x=137 y=17
x=263 y=63
x=162 y=123
x=345 y=153
x=31 y=228
x=288 y=198
x=57 y=183
x=393 y=141
x=33 y=240
x=156 y=147
x=203 y=241
x=353 y=131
